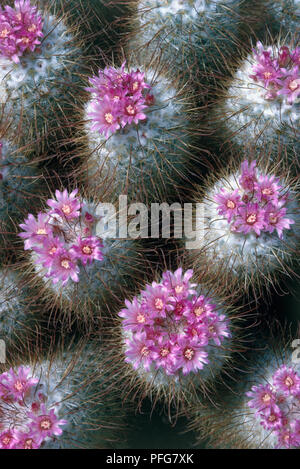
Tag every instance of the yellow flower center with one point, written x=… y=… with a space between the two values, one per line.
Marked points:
x=66 y=209
x=289 y=381
x=140 y=318
x=130 y=110
x=198 y=311
x=32 y=28
x=158 y=304
x=251 y=219
x=65 y=264
x=4 y=33
x=109 y=118
x=41 y=231
x=164 y=352
x=87 y=250
x=45 y=423
x=293 y=85
x=189 y=353
x=230 y=204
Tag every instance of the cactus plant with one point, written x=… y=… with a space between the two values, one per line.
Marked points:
x=249 y=227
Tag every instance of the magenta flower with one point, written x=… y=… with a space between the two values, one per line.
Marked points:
x=88 y=249
x=27 y=441
x=105 y=116
x=63 y=267
x=47 y=251
x=7 y=440
x=275 y=220
x=66 y=205
x=248 y=175
x=173 y=324
x=272 y=418
x=218 y=328
x=277 y=406
x=136 y=315
x=267 y=188
x=190 y=357
x=18 y=384
x=250 y=218
x=228 y=203
x=287 y=380
x=291 y=85
x=262 y=397
x=133 y=111
x=199 y=309
x=278 y=72
x=46 y=424
x=157 y=299
x=179 y=283
x=20 y=29
x=35 y=230
x=140 y=351
x=118 y=99
x=295 y=56
x=165 y=354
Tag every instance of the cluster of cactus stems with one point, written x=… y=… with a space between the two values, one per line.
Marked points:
x=162 y=101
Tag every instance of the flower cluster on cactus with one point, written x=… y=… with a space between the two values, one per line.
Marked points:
x=20 y=29
x=277 y=407
x=27 y=420
x=170 y=326
x=257 y=206
x=119 y=99
x=62 y=237
x=278 y=72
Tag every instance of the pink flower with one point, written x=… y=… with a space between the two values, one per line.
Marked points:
x=20 y=29
x=46 y=424
x=272 y=418
x=164 y=329
x=291 y=85
x=287 y=380
x=18 y=384
x=63 y=267
x=295 y=56
x=27 y=441
x=218 y=328
x=35 y=230
x=7 y=439
x=48 y=250
x=275 y=220
x=132 y=111
x=277 y=406
x=157 y=299
x=88 y=249
x=165 y=354
x=118 y=99
x=228 y=203
x=250 y=218
x=135 y=315
x=199 y=309
x=179 y=283
x=105 y=116
x=262 y=397
x=190 y=356
x=66 y=205
x=248 y=175
x=140 y=351
x=267 y=188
